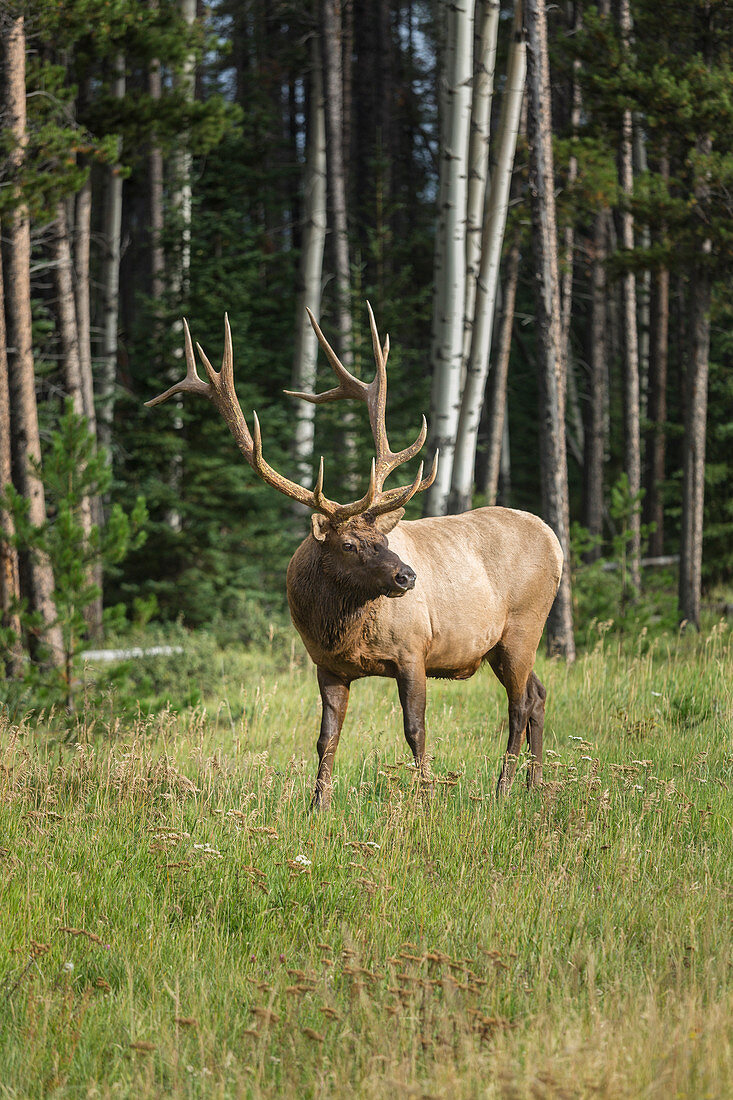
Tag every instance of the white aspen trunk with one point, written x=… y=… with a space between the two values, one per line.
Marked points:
x=631 y=338
x=26 y=443
x=496 y=391
x=485 y=36
x=450 y=288
x=333 y=77
x=110 y=280
x=311 y=273
x=441 y=10
x=549 y=348
x=495 y=215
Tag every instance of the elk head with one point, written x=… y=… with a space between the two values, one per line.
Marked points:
x=352 y=537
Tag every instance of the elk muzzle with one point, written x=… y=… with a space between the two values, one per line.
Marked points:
x=404 y=580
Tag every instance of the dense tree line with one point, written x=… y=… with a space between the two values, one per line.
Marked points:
x=163 y=158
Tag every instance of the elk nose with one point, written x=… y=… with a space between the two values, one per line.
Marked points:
x=405 y=578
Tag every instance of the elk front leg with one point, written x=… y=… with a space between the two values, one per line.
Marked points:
x=335 y=699
x=412 y=687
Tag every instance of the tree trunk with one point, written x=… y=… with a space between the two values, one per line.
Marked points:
x=553 y=457
x=656 y=439
x=82 y=245
x=84 y=343
x=643 y=285
x=332 y=60
x=568 y=233
x=311 y=272
x=693 y=476
x=485 y=36
x=594 y=435
x=449 y=289
x=347 y=101
x=696 y=406
x=631 y=340
x=495 y=215
x=9 y=582
x=66 y=310
x=26 y=444
x=496 y=393
x=181 y=202
x=110 y=284
x=155 y=183
x=185 y=82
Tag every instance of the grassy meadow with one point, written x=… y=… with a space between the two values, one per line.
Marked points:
x=174 y=923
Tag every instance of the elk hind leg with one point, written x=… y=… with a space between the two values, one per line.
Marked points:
x=512 y=661
x=535 y=727
x=514 y=677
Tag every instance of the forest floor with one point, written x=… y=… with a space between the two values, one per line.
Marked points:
x=174 y=923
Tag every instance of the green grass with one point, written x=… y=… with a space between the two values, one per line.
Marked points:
x=159 y=935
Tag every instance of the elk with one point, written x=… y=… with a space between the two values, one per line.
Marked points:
x=373 y=595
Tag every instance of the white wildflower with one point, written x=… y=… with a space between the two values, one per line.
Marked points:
x=302 y=860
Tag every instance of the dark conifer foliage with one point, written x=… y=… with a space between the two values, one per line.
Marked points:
x=218 y=540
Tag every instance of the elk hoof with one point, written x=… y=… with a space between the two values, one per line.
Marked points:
x=320 y=802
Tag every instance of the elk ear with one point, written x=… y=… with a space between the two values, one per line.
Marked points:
x=319 y=524
x=388 y=521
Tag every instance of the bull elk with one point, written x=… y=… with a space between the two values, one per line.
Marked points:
x=373 y=596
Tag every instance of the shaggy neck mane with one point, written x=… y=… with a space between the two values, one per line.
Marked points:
x=329 y=607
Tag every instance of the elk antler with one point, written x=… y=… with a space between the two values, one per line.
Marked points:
x=220 y=390
x=374 y=394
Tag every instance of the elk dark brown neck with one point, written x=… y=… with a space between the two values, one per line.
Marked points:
x=330 y=609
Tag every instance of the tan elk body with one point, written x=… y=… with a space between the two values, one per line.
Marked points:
x=373 y=596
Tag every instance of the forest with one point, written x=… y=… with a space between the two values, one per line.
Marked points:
x=537 y=206
x=535 y=202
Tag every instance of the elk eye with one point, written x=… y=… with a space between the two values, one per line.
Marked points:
x=348 y=546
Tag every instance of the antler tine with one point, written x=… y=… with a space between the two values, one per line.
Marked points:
x=349 y=385
x=378 y=387
x=318 y=496
x=191 y=383
x=387 y=459
x=312 y=498
x=398 y=497
x=401 y=497
x=227 y=362
x=220 y=390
